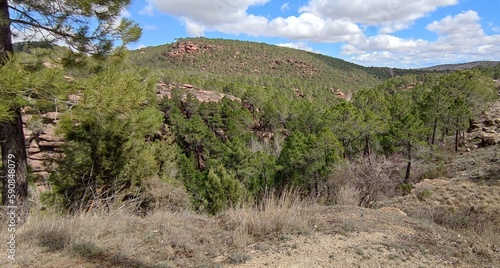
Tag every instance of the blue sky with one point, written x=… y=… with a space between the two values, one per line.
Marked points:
x=394 y=33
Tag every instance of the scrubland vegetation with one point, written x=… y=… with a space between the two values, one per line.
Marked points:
x=190 y=183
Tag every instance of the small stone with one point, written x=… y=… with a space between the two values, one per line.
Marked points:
x=51 y=115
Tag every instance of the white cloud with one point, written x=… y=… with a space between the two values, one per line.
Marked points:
x=391 y=15
x=138 y=47
x=385 y=42
x=493 y=27
x=319 y=20
x=207 y=13
x=297 y=45
x=231 y=17
x=461 y=38
x=150 y=27
x=285 y=6
x=465 y=23
x=147 y=10
x=30 y=35
x=125 y=13
x=194 y=29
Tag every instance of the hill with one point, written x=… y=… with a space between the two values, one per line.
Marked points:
x=196 y=60
x=462 y=66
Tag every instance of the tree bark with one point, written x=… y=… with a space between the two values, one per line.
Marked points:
x=408 y=167
x=434 y=131
x=11 y=135
x=316 y=185
x=367 y=151
x=13 y=148
x=5 y=34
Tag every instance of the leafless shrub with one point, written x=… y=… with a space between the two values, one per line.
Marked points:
x=373 y=178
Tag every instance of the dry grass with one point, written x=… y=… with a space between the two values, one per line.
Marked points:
x=159 y=195
x=118 y=239
x=274 y=216
x=480 y=228
x=347 y=195
x=160 y=238
x=466 y=207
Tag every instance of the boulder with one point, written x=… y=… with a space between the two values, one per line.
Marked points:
x=33 y=150
x=51 y=115
x=26 y=118
x=39 y=156
x=488 y=139
x=37 y=165
x=49 y=129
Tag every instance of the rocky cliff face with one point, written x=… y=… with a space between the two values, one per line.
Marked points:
x=485 y=130
x=43 y=146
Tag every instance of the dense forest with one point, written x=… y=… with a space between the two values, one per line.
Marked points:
x=282 y=124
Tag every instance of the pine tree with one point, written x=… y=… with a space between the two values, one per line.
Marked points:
x=87 y=26
x=406 y=129
x=375 y=110
x=347 y=123
x=106 y=143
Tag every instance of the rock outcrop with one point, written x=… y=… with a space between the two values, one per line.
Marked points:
x=182 y=48
x=485 y=130
x=164 y=90
x=43 y=146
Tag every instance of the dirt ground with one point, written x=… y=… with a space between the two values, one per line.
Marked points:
x=357 y=237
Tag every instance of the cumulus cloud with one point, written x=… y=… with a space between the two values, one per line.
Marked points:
x=297 y=45
x=231 y=17
x=391 y=15
x=461 y=38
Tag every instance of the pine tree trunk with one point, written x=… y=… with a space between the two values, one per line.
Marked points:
x=316 y=185
x=13 y=148
x=408 y=167
x=367 y=151
x=407 y=176
x=11 y=135
x=434 y=131
x=5 y=34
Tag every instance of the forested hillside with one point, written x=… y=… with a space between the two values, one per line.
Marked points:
x=135 y=134
x=217 y=63
x=291 y=119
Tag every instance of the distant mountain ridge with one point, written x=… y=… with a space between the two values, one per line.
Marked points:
x=461 y=66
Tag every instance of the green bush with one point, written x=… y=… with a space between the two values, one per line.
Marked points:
x=107 y=150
